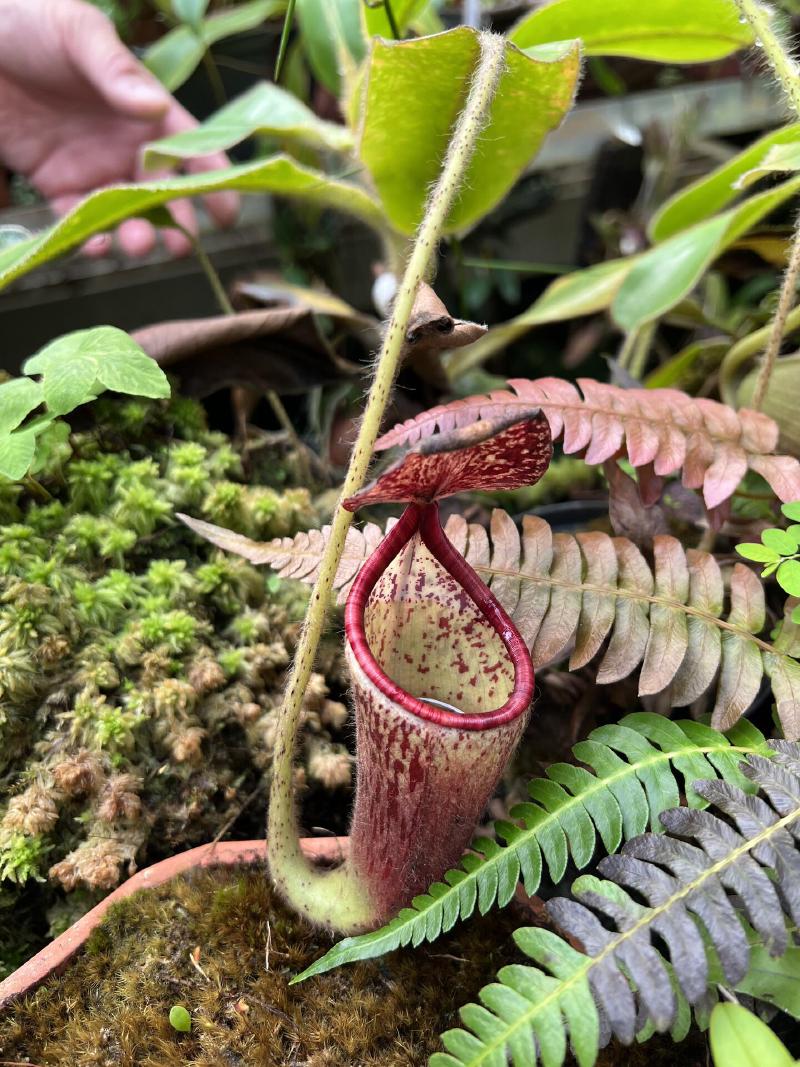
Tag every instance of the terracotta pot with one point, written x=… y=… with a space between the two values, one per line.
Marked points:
x=54 y=958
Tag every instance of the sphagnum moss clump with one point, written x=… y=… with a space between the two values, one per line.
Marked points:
x=139 y=669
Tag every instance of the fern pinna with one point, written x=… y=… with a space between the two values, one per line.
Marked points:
x=662 y=431
x=710 y=885
x=639 y=769
x=686 y=623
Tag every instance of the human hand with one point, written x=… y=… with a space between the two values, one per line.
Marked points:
x=76 y=107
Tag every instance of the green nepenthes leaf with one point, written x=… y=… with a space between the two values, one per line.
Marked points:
x=175 y=56
x=634 y=776
x=665 y=31
x=637 y=288
x=265 y=109
x=106 y=208
x=74 y=368
x=662 y=276
x=414 y=92
x=740 y=1039
x=584 y=292
x=333 y=39
x=717 y=189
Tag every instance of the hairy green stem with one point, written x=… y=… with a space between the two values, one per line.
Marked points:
x=778 y=324
x=785 y=68
x=335 y=899
x=744 y=350
x=788 y=74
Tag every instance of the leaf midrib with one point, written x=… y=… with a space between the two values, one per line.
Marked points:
x=653 y=914
x=510 y=400
x=632 y=594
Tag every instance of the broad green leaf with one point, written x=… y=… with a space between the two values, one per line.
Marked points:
x=779 y=159
x=333 y=39
x=582 y=293
x=788 y=576
x=67 y=383
x=265 y=109
x=758 y=553
x=776 y=981
x=715 y=190
x=792 y=510
x=107 y=207
x=666 y=31
x=175 y=56
x=376 y=21
x=18 y=398
x=414 y=93
x=190 y=11
x=740 y=1039
x=781 y=541
x=662 y=276
x=16 y=453
x=73 y=365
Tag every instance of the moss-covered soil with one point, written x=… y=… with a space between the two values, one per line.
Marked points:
x=221 y=945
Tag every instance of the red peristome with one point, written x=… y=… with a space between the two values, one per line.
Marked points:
x=474 y=594
x=510 y=459
x=419 y=622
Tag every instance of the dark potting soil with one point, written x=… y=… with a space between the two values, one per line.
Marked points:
x=220 y=944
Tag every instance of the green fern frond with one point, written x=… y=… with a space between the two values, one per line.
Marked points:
x=706 y=884
x=634 y=777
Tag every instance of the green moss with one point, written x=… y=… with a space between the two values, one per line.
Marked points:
x=130 y=646
x=113 y=1004
x=220 y=944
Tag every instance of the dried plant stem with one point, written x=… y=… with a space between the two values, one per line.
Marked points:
x=335 y=899
x=274 y=401
x=210 y=271
x=778 y=324
x=788 y=74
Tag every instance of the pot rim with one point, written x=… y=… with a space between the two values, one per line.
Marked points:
x=54 y=958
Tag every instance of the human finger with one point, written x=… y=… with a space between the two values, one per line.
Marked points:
x=136 y=237
x=97 y=52
x=223 y=207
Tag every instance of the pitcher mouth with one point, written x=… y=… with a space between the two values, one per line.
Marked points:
x=424 y=520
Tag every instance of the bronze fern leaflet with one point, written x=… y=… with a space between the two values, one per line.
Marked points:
x=662 y=431
x=684 y=623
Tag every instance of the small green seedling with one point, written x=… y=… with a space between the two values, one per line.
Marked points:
x=180 y=1019
x=779 y=551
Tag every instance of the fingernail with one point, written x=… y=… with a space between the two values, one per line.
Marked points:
x=95 y=242
x=143 y=91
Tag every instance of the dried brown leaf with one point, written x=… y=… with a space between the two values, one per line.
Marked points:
x=277 y=348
